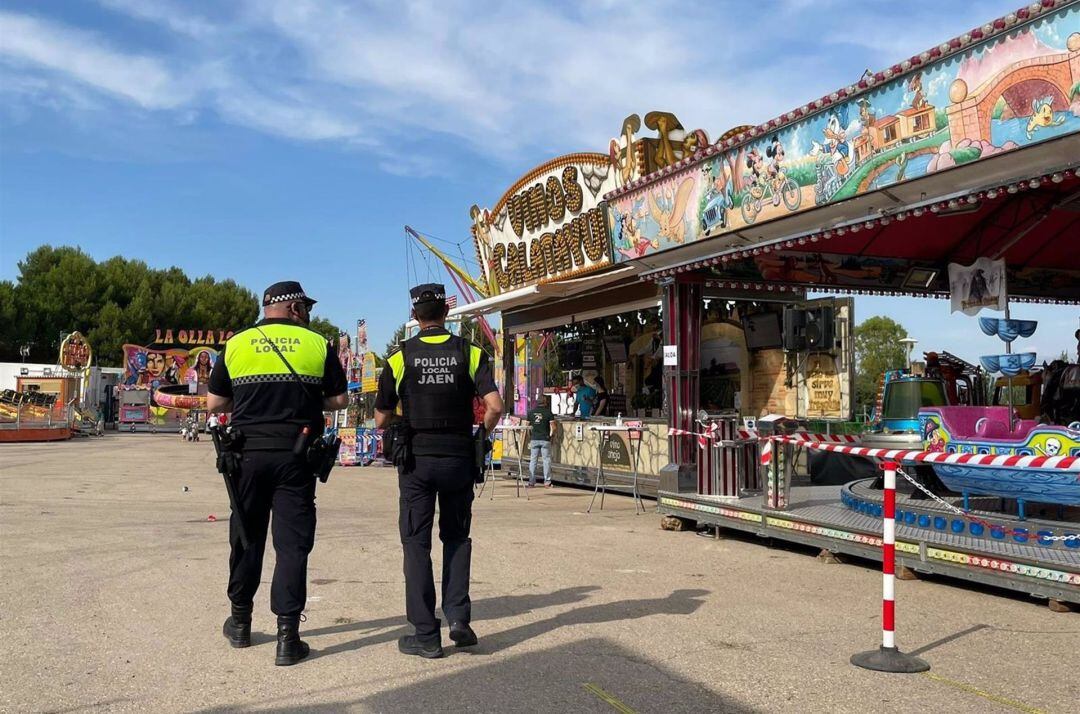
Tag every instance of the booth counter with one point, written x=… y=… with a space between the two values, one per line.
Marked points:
x=575 y=453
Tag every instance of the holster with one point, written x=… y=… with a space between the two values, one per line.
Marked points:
x=481 y=448
x=228 y=443
x=397 y=443
x=322 y=455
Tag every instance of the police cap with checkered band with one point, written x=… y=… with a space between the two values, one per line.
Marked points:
x=285 y=291
x=428 y=292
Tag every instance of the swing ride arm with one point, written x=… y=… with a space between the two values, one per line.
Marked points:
x=450 y=265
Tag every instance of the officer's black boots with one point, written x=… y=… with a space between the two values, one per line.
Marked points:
x=290 y=648
x=237 y=628
x=413 y=645
x=462 y=634
x=426 y=647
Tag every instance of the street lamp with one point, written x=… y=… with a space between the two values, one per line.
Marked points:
x=909 y=345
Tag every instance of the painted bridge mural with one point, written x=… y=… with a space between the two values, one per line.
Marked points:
x=1011 y=91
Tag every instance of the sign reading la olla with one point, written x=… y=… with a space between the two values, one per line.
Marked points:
x=190 y=337
x=551 y=224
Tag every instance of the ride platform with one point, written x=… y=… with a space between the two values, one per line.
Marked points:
x=989 y=547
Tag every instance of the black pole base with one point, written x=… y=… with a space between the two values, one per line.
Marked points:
x=889 y=659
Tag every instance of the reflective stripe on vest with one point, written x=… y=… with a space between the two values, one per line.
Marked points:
x=250 y=360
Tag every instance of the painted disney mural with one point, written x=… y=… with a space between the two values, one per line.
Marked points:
x=1014 y=90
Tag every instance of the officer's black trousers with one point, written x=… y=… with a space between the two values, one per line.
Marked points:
x=450 y=479
x=273 y=481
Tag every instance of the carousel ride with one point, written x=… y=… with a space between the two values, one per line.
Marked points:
x=999 y=431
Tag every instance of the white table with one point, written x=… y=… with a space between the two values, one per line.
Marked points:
x=517 y=433
x=634 y=444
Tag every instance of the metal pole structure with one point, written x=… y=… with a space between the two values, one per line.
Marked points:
x=1008 y=351
x=888 y=658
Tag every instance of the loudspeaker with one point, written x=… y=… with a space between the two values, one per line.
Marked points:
x=809 y=329
x=820 y=328
x=570 y=356
x=794 y=322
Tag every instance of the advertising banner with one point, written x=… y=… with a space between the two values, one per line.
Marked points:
x=347 y=452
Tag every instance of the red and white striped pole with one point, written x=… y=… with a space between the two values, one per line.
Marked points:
x=887 y=658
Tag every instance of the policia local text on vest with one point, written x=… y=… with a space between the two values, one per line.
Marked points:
x=271 y=407
x=434 y=378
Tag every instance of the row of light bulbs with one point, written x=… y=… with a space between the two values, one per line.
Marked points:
x=869 y=223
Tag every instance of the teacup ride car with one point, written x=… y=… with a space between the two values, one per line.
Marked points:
x=985 y=431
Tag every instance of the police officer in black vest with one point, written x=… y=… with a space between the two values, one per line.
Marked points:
x=434 y=377
x=272 y=404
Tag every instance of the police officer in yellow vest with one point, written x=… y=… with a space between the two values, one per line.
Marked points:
x=271 y=407
x=435 y=377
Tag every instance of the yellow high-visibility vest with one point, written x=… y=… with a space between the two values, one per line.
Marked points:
x=250 y=359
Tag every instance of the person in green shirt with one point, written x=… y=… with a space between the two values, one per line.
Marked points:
x=543 y=428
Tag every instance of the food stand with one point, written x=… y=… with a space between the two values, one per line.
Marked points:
x=963 y=152
x=991 y=175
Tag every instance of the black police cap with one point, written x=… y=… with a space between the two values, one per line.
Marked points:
x=285 y=291
x=428 y=292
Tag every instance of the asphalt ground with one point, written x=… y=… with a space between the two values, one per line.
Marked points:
x=112 y=595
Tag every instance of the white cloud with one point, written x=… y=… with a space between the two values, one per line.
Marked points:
x=176 y=18
x=143 y=80
x=505 y=79
x=289 y=118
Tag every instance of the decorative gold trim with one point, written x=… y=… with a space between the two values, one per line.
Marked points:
x=557 y=163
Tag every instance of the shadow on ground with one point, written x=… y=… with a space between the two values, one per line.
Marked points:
x=488 y=610
x=591 y=675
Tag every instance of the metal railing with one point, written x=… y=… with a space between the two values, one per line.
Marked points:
x=29 y=416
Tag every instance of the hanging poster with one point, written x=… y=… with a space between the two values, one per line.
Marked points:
x=979 y=285
x=361 y=336
x=347 y=451
x=369 y=376
x=822 y=387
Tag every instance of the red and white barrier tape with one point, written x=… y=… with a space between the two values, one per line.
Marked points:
x=975 y=519
x=710 y=434
x=1057 y=463
x=802 y=436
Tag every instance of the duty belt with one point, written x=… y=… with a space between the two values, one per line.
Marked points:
x=269 y=443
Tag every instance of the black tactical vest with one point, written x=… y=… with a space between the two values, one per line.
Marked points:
x=437 y=388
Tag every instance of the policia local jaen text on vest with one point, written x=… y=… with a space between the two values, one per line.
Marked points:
x=435 y=378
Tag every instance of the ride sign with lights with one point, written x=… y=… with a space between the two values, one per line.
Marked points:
x=551 y=224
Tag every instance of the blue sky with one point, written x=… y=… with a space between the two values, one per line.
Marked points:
x=273 y=139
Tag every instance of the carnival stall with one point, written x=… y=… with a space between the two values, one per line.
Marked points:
x=951 y=174
x=569 y=308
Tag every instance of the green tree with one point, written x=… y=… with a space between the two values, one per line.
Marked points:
x=396 y=340
x=877 y=349
x=11 y=328
x=61 y=289
x=326 y=328
x=57 y=288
